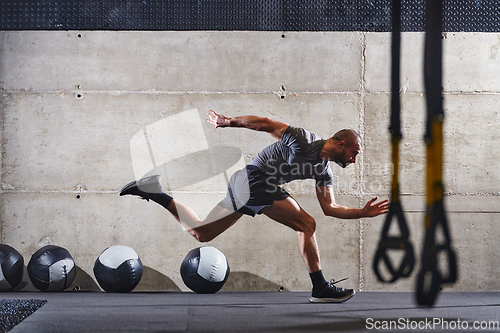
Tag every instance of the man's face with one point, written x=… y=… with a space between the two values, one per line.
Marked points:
x=348 y=153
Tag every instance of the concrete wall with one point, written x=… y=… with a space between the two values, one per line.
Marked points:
x=72 y=102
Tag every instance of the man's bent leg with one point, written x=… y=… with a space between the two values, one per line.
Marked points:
x=289 y=213
x=216 y=222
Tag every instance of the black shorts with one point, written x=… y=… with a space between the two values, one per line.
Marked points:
x=250 y=190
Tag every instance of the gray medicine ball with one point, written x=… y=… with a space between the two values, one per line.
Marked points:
x=205 y=270
x=118 y=269
x=51 y=268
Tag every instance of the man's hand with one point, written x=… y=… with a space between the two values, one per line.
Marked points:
x=217 y=120
x=372 y=209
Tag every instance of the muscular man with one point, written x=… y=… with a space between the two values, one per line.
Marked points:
x=298 y=154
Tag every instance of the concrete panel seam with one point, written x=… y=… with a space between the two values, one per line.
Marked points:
x=57 y=191
x=362 y=101
x=205 y=92
x=449 y=92
x=2 y=129
x=4 y=190
x=470 y=93
x=98 y=192
x=454 y=194
x=475 y=194
x=174 y=93
x=422 y=194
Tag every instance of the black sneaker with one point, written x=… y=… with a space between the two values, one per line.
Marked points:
x=331 y=294
x=142 y=187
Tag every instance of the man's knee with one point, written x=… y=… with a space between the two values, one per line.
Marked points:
x=307 y=225
x=200 y=236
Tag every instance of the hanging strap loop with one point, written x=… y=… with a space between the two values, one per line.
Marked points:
x=395 y=243
x=430 y=277
x=390 y=243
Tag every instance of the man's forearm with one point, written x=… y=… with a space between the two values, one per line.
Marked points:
x=251 y=122
x=371 y=209
x=343 y=212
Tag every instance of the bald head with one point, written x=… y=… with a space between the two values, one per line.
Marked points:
x=347 y=135
x=342 y=148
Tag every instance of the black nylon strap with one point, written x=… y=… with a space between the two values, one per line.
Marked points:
x=430 y=276
x=395 y=126
x=393 y=243
x=433 y=64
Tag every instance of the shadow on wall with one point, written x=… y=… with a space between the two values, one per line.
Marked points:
x=245 y=281
x=152 y=280
x=83 y=282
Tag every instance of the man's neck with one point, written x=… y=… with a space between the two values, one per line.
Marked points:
x=325 y=153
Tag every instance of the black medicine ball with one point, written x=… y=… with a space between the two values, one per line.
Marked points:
x=11 y=267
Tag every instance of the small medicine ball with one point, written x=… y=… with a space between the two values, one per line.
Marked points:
x=11 y=267
x=118 y=269
x=51 y=268
x=205 y=270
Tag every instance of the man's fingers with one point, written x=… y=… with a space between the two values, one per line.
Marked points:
x=378 y=208
x=381 y=203
x=384 y=203
x=212 y=118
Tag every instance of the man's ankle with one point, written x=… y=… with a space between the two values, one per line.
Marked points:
x=318 y=280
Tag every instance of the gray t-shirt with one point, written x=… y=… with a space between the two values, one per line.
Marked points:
x=296 y=156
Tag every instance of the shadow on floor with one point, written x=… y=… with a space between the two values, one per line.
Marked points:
x=239 y=281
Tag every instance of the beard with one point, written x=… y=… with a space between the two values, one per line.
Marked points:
x=342 y=164
x=340 y=161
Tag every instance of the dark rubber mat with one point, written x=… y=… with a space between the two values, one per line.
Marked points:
x=13 y=311
x=261 y=312
x=253 y=15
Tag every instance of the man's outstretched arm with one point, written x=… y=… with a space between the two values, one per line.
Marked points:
x=330 y=208
x=275 y=128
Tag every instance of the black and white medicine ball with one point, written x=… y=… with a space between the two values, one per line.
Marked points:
x=51 y=268
x=205 y=270
x=118 y=269
x=11 y=267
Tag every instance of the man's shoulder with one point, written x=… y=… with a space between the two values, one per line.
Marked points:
x=300 y=132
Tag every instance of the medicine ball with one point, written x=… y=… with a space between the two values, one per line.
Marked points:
x=205 y=270
x=11 y=267
x=51 y=268
x=118 y=269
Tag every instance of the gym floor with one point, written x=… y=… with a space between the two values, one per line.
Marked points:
x=255 y=311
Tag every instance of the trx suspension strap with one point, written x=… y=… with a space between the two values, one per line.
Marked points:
x=434 y=253
x=395 y=243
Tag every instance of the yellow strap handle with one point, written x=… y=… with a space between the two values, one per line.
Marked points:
x=435 y=162
x=395 y=173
